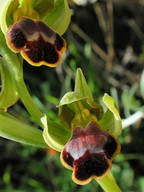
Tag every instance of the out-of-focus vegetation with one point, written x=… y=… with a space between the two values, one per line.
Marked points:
x=105 y=40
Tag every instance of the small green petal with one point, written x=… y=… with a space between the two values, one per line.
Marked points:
x=8 y=94
x=4 y=4
x=111 y=121
x=59 y=18
x=54 y=134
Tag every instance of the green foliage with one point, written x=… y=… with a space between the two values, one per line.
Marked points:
x=129 y=101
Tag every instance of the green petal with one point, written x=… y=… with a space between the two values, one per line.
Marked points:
x=54 y=134
x=59 y=17
x=82 y=88
x=4 y=4
x=15 y=130
x=111 y=121
x=8 y=95
x=81 y=85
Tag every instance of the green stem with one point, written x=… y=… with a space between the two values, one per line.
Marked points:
x=108 y=184
x=28 y=102
x=15 y=71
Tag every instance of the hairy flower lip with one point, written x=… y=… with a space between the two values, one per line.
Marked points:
x=89 y=153
x=37 y=42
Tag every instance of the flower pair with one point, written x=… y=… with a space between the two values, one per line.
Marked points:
x=87 y=136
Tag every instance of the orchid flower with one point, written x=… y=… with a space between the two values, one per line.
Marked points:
x=89 y=143
x=34 y=29
x=86 y=137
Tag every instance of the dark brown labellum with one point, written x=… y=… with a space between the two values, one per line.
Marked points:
x=89 y=153
x=37 y=42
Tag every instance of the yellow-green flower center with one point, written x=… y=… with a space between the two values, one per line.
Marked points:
x=25 y=9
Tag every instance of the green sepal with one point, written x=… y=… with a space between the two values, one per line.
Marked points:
x=43 y=6
x=16 y=130
x=71 y=97
x=111 y=121
x=8 y=94
x=81 y=86
x=59 y=18
x=55 y=135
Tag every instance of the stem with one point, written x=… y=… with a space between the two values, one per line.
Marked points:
x=28 y=102
x=108 y=184
x=15 y=71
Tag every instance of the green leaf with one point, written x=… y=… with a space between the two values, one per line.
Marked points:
x=111 y=121
x=81 y=85
x=8 y=94
x=15 y=130
x=4 y=4
x=59 y=18
x=55 y=135
x=142 y=84
x=130 y=102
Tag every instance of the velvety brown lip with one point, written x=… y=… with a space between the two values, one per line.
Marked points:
x=89 y=153
x=37 y=42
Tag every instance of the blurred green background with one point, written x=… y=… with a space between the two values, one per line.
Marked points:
x=106 y=40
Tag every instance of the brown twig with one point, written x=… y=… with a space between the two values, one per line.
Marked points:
x=110 y=35
x=86 y=38
x=106 y=24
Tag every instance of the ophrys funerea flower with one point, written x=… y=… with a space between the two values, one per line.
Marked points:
x=91 y=133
